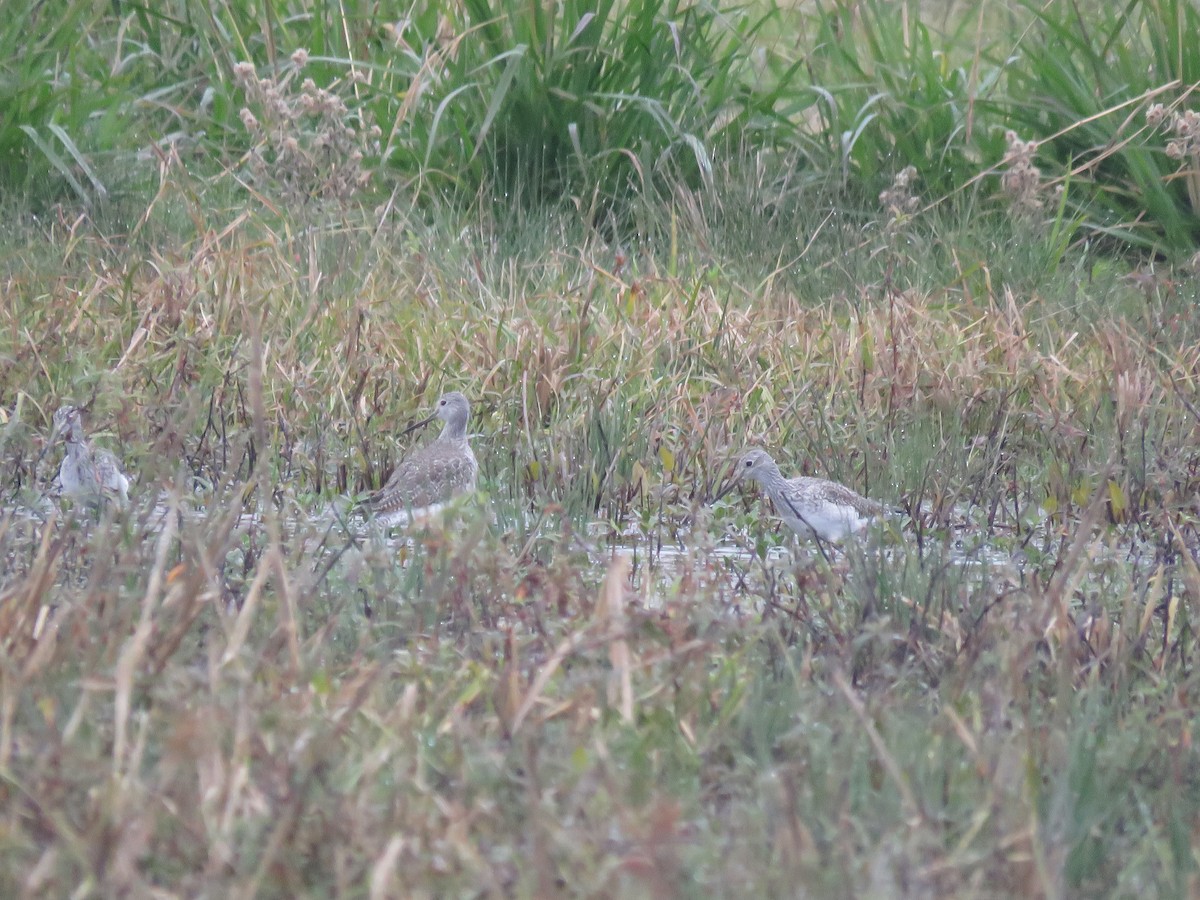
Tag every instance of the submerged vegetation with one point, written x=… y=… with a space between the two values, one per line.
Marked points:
x=254 y=245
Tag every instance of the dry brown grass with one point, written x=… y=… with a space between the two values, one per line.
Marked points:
x=239 y=701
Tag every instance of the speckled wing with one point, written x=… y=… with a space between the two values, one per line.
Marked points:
x=430 y=476
x=109 y=475
x=837 y=494
x=814 y=506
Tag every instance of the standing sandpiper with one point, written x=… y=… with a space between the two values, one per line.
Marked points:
x=426 y=480
x=810 y=506
x=87 y=473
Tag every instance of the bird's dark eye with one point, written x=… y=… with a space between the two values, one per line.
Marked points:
x=749 y=463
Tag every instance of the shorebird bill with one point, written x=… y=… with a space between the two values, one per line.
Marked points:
x=415 y=425
x=721 y=494
x=732 y=482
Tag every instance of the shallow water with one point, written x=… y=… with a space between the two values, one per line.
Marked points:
x=715 y=557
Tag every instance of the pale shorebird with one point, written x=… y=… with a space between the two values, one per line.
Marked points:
x=426 y=480
x=810 y=506
x=87 y=473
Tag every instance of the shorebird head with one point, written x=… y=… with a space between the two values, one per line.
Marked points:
x=67 y=421
x=451 y=408
x=755 y=464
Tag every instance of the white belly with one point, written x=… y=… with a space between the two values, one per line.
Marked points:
x=828 y=521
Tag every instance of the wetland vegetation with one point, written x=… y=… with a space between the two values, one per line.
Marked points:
x=945 y=255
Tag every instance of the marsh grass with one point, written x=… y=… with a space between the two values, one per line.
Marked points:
x=587 y=678
x=614 y=105
x=1104 y=77
x=565 y=687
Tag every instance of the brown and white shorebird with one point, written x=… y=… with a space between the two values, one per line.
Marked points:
x=87 y=473
x=810 y=506
x=426 y=480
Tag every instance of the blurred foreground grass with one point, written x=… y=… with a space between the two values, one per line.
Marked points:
x=572 y=686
